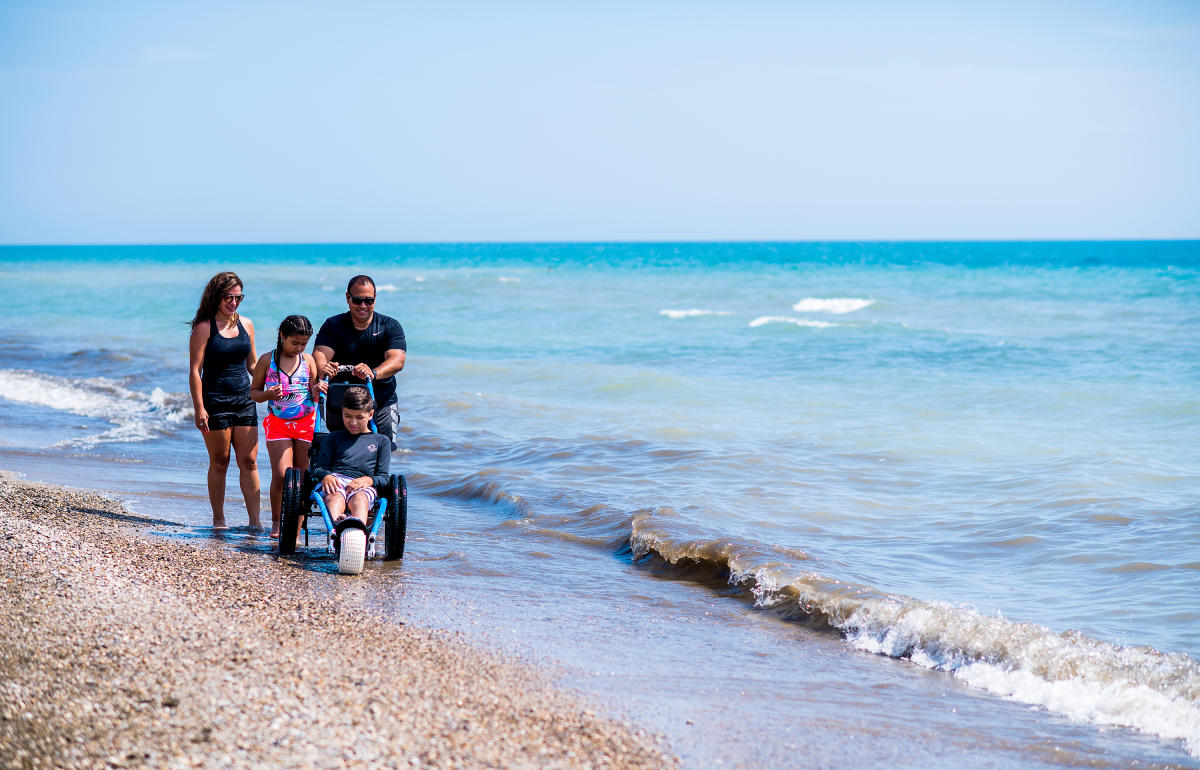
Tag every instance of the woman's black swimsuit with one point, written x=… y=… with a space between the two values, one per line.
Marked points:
x=224 y=381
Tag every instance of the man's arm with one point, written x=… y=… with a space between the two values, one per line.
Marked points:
x=323 y=347
x=393 y=361
x=396 y=352
x=326 y=366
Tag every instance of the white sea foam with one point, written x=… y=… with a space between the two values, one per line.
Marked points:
x=677 y=314
x=135 y=416
x=509 y=279
x=837 y=305
x=766 y=319
x=386 y=287
x=1070 y=673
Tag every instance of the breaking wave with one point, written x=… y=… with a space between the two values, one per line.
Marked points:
x=1069 y=673
x=136 y=416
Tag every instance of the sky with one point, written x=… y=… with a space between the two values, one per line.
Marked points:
x=262 y=122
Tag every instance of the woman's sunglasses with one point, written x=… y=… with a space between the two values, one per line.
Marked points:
x=235 y=298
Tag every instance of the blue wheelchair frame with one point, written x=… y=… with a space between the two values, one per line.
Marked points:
x=381 y=504
x=318 y=500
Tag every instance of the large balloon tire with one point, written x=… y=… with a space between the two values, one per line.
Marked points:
x=293 y=510
x=352 y=551
x=396 y=521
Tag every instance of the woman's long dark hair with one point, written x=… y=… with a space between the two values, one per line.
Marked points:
x=210 y=300
x=293 y=325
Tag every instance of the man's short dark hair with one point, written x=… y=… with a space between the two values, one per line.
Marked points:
x=359 y=279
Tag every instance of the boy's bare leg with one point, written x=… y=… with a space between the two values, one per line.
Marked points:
x=336 y=505
x=359 y=507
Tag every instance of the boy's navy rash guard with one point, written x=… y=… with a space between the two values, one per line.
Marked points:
x=354 y=455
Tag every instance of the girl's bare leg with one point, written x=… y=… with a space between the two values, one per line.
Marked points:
x=281 y=455
x=300 y=454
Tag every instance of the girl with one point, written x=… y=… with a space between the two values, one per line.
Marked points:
x=287 y=378
x=221 y=354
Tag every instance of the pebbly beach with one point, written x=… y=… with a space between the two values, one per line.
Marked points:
x=123 y=648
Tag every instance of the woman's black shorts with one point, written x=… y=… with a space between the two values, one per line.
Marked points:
x=226 y=415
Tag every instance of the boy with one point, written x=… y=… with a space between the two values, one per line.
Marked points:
x=352 y=461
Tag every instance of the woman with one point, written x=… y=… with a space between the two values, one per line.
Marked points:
x=222 y=357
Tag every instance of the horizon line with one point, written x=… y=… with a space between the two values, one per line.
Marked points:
x=591 y=242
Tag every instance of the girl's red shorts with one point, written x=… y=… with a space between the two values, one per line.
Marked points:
x=279 y=429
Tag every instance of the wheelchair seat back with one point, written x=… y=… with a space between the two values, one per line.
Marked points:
x=333 y=404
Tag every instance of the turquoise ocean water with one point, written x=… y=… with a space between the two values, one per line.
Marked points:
x=931 y=503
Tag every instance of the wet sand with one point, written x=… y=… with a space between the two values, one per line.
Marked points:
x=121 y=648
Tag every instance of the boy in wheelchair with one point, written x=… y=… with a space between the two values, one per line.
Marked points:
x=354 y=462
x=348 y=486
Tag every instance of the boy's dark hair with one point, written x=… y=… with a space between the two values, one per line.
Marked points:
x=357 y=397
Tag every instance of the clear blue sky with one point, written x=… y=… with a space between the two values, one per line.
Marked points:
x=170 y=122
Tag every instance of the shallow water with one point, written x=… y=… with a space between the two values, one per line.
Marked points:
x=845 y=484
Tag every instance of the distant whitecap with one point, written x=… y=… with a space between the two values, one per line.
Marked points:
x=766 y=319
x=832 y=305
x=508 y=279
x=677 y=314
x=386 y=287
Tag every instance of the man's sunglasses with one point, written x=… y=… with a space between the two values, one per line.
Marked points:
x=362 y=300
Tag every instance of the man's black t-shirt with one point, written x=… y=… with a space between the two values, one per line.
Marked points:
x=369 y=346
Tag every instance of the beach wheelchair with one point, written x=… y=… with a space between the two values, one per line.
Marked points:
x=350 y=540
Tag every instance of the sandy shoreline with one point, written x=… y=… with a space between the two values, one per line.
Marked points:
x=120 y=648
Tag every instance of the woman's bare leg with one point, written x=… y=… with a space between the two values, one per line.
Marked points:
x=245 y=448
x=217 y=443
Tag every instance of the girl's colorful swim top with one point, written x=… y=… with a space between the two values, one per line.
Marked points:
x=297 y=399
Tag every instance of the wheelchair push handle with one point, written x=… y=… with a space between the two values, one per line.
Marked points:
x=346 y=369
x=322 y=424
x=369 y=382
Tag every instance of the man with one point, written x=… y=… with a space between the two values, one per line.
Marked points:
x=372 y=342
